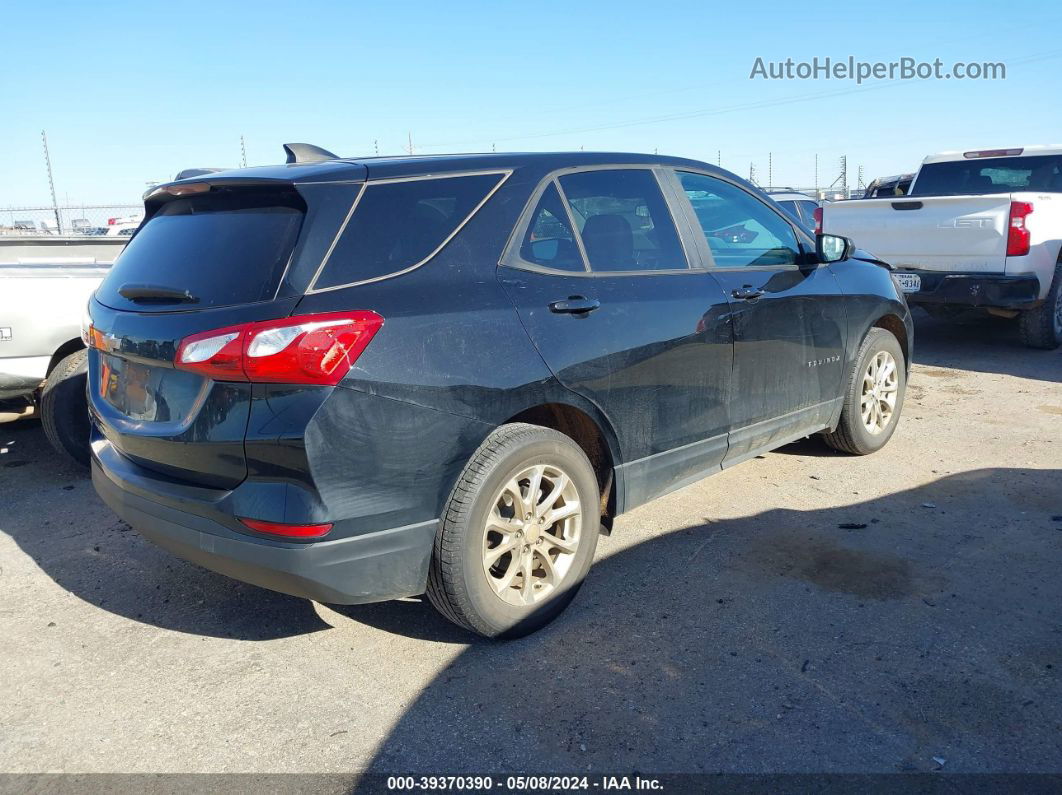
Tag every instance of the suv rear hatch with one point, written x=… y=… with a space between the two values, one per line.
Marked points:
x=210 y=255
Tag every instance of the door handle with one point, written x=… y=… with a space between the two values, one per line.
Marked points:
x=747 y=293
x=574 y=305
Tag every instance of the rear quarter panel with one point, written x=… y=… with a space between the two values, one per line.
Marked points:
x=450 y=364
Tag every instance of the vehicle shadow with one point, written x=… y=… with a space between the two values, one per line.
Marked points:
x=52 y=513
x=873 y=637
x=869 y=637
x=982 y=344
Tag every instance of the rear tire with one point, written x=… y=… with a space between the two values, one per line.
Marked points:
x=1042 y=327
x=500 y=567
x=868 y=419
x=64 y=407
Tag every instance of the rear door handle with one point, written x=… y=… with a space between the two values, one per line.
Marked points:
x=747 y=293
x=575 y=305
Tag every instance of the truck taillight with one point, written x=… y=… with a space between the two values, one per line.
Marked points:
x=307 y=349
x=1018 y=237
x=818 y=220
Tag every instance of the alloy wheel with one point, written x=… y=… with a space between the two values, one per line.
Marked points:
x=532 y=533
x=880 y=386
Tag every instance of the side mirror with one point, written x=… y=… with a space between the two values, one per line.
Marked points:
x=833 y=248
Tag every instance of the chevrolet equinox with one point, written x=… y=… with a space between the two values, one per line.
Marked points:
x=353 y=380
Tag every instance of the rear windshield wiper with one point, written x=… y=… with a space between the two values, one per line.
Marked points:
x=155 y=292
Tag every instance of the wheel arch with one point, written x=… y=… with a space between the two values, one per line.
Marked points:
x=592 y=434
x=895 y=326
x=64 y=350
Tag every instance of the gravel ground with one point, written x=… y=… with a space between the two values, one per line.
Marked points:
x=805 y=611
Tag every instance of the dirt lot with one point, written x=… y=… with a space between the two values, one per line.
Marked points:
x=805 y=611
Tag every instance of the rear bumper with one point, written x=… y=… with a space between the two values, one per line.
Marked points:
x=976 y=289
x=370 y=567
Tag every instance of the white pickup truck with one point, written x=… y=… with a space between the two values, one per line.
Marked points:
x=45 y=284
x=978 y=229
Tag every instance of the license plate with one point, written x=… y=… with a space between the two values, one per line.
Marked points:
x=909 y=282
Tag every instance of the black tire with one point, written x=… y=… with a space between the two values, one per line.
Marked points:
x=64 y=408
x=851 y=435
x=1042 y=327
x=458 y=584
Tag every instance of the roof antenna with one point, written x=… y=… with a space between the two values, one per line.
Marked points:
x=307 y=153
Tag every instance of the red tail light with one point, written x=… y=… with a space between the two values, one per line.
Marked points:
x=1018 y=238
x=818 y=220
x=307 y=349
x=288 y=530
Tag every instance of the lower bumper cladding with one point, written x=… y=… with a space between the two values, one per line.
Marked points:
x=371 y=567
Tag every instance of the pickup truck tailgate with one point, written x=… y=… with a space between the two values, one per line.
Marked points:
x=937 y=233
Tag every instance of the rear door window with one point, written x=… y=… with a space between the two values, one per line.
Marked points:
x=399 y=224
x=224 y=247
x=623 y=220
x=549 y=240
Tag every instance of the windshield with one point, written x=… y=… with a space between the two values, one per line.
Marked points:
x=990 y=175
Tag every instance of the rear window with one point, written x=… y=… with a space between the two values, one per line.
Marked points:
x=990 y=175
x=397 y=225
x=225 y=248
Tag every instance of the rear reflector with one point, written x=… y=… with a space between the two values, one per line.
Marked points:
x=288 y=530
x=306 y=349
x=1018 y=237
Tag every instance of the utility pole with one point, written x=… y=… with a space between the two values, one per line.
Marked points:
x=376 y=146
x=243 y=153
x=752 y=173
x=844 y=174
x=860 y=185
x=51 y=184
x=410 y=138
x=719 y=157
x=770 y=169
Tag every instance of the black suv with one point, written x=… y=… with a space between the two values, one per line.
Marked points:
x=358 y=380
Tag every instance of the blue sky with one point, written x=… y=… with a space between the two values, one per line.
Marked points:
x=133 y=92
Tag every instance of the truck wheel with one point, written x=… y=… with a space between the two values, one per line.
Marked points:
x=1042 y=327
x=518 y=534
x=874 y=398
x=64 y=408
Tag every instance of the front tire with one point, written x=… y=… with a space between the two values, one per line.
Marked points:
x=64 y=407
x=1042 y=327
x=874 y=398
x=518 y=534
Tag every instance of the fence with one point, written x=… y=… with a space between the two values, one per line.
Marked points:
x=87 y=220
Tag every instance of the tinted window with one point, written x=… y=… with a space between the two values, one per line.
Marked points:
x=550 y=241
x=990 y=175
x=807 y=209
x=224 y=248
x=741 y=229
x=399 y=224
x=623 y=220
x=791 y=208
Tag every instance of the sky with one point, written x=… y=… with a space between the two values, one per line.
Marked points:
x=130 y=93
